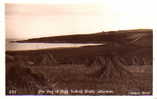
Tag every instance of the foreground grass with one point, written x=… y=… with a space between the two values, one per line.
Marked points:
x=58 y=69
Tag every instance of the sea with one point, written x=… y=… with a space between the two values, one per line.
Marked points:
x=14 y=46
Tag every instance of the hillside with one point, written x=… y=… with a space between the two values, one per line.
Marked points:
x=122 y=64
x=118 y=36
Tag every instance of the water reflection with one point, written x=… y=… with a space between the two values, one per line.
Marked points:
x=35 y=46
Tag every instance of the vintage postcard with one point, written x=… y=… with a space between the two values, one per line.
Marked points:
x=77 y=49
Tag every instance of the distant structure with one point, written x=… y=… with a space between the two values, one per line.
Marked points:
x=105 y=32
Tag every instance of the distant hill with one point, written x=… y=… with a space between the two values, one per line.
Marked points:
x=141 y=37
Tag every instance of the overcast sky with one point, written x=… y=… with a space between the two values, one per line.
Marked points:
x=40 y=20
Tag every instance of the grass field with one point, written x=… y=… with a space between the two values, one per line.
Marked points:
x=115 y=68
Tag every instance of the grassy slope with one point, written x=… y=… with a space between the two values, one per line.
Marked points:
x=121 y=36
x=90 y=67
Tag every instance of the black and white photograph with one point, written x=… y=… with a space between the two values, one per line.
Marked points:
x=78 y=49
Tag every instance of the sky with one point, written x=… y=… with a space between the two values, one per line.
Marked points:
x=32 y=20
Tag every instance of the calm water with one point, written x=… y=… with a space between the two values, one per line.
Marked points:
x=34 y=46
